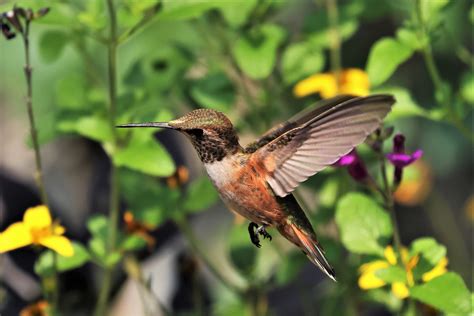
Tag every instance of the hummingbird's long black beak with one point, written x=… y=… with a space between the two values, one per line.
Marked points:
x=149 y=124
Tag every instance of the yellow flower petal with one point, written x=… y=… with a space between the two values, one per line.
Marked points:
x=325 y=84
x=356 y=77
x=373 y=266
x=390 y=255
x=60 y=244
x=354 y=81
x=400 y=290
x=58 y=230
x=15 y=236
x=37 y=217
x=438 y=270
x=369 y=281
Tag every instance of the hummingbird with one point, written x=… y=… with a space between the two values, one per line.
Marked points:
x=257 y=181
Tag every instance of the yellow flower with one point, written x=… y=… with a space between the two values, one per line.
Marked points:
x=36 y=228
x=369 y=280
x=438 y=270
x=351 y=81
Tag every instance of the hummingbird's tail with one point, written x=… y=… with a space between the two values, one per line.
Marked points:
x=312 y=249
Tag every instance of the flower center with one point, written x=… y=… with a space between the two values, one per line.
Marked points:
x=40 y=233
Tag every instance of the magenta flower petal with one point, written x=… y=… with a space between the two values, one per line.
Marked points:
x=355 y=166
x=347 y=159
x=402 y=160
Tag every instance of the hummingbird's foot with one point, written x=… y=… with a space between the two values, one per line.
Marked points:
x=253 y=234
x=261 y=230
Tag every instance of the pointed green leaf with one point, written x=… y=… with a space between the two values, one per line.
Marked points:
x=214 y=91
x=51 y=45
x=429 y=249
x=256 y=55
x=44 y=264
x=362 y=224
x=447 y=293
x=201 y=195
x=384 y=58
x=301 y=60
x=143 y=153
x=392 y=274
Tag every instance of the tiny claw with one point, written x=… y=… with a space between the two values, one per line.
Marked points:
x=262 y=231
x=253 y=235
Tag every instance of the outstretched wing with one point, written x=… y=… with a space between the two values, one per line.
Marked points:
x=297 y=120
x=304 y=146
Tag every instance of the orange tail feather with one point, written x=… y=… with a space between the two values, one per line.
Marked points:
x=313 y=251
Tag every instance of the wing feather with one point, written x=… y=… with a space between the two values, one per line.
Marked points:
x=308 y=143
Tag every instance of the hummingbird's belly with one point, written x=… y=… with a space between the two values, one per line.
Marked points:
x=243 y=188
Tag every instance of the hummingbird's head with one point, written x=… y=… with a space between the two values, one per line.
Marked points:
x=210 y=131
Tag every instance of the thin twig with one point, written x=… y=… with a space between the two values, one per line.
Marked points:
x=334 y=39
x=114 y=183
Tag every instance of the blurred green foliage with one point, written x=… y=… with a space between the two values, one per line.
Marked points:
x=243 y=58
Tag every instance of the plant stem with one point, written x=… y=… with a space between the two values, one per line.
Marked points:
x=28 y=69
x=388 y=198
x=442 y=94
x=335 y=39
x=195 y=245
x=114 y=183
x=29 y=105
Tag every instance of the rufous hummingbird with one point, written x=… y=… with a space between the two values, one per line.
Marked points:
x=256 y=181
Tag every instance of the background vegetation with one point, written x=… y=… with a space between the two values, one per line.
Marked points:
x=96 y=64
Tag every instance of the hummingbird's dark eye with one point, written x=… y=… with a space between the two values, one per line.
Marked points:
x=196 y=132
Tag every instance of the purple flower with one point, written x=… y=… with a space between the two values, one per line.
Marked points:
x=400 y=159
x=355 y=166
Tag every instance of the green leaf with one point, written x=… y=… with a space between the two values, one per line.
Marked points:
x=429 y=249
x=51 y=45
x=467 y=87
x=142 y=193
x=71 y=92
x=362 y=224
x=201 y=195
x=471 y=14
x=132 y=243
x=405 y=106
x=143 y=153
x=384 y=58
x=322 y=37
x=301 y=60
x=214 y=91
x=94 y=127
x=447 y=293
x=431 y=8
x=408 y=38
x=44 y=264
x=236 y=13
x=256 y=54
x=186 y=9
x=392 y=274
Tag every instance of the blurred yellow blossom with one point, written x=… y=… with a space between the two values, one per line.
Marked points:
x=369 y=280
x=36 y=228
x=416 y=184
x=351 y=81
